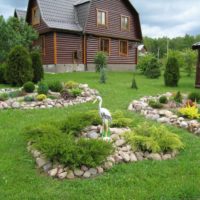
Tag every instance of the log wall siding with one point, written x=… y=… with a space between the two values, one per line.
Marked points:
x=66 y=45
x=48 y=58
x=114 y=57
x=42 y=27
x=115 y=9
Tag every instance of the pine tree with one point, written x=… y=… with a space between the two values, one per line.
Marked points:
x=134 y=84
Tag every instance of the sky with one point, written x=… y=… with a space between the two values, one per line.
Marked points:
x=159 y=18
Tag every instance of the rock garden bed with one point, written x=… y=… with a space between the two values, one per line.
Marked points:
x=46 y=96
x=75 y=149
x=180 y=110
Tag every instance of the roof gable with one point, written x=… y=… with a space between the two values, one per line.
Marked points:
x=20 y=14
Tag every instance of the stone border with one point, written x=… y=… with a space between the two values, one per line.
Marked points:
x=123 y=154
x=86 y=96
x=163 y=115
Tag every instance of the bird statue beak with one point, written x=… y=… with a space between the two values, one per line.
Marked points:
x=94 y=101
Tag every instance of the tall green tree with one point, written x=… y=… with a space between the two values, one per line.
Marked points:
x=14 y=32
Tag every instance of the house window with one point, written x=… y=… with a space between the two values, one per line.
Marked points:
x=35 y=16
x=105 y=45
x=125 y=23
x=102 y=17
x=123 y=48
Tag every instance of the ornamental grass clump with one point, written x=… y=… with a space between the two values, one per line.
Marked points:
x=151 y=138
x=190 y=111
x=55 y=86
x=163 y=100
x=155 y=104
x=194 y=96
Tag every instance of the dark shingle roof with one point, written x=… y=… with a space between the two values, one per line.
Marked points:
x=78 y=2
x=59 y=14
x=20 y=14
x=196 y=46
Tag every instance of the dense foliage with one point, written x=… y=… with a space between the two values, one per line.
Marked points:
x=191 y=112
x=38 y=71
x=2 y=73
x=55 y=86
x=100 y=60
x=150 y=138
x=172 y=73
x=155 y=104
x=43 y=88
x=19 y=66
x=14 y=32
x=194 y=96
x=178 y=97
x=163 y=100
x=29 y=87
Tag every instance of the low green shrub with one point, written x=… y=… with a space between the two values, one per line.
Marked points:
x=71 y=85
x=29 y=87
x=55 y=86
x=146 y=137
x=75 y=92
x=41 y=97
x=155 y=104
x=191 y=112
x=194 y=96
x=163 y=100
x=61 y=145
x=178 y=97
x=29 y=99
x=4 y=97
x=100 y=60
x=43 y=88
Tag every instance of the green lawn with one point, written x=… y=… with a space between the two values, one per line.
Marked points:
x=176 y=179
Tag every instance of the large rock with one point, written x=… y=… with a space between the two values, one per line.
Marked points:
x=78 y=172
x=70 y=175
x=133 y=157
x=93 y=135
x=93 y=171
x=40 y=162
x=120 y=142
x=53 y=172
x=87 y=174
x=154 y=156
x=62 y=175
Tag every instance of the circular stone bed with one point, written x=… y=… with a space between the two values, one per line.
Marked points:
x=123 y=153
x=87 y=95
x=167 y=114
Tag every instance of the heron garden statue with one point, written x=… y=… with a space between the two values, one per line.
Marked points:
x=106 y=119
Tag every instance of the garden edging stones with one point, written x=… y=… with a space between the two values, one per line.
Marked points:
x=17 y=103
x=123 y=154
x=164 y=116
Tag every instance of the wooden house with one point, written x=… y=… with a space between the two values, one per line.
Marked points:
x=72 y=32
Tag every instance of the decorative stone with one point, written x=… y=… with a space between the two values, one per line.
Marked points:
x=84 y=168
x=62 y=175
x=184 y=124
x=139 y=156
x=15 y=105
x=120 y=142
x=133 y=157
x=93 y=135
x=166 y=157
x=40 y=162
x=87 y=174
x=154 y=156
x=93 y=171
x=126 y=157
x=108 y=165
x=35 y=153
x=100 y=170
x=53 y=172
x=70 y=175
x=78 y=172
x=111 y=159
x=163 y=120
x=47 y=167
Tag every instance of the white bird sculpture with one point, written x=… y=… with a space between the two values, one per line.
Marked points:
x=106 y=118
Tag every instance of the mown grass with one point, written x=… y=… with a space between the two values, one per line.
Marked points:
x=176 y=179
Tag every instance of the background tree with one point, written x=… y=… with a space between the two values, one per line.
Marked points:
x=15 y=32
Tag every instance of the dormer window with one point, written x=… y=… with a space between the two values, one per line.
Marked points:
x=102 y=17
x=125 y=23
x=35 y=16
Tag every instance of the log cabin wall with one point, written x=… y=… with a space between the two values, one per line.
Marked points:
x=114 y=56
x=115 y=9
x=67 y=45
